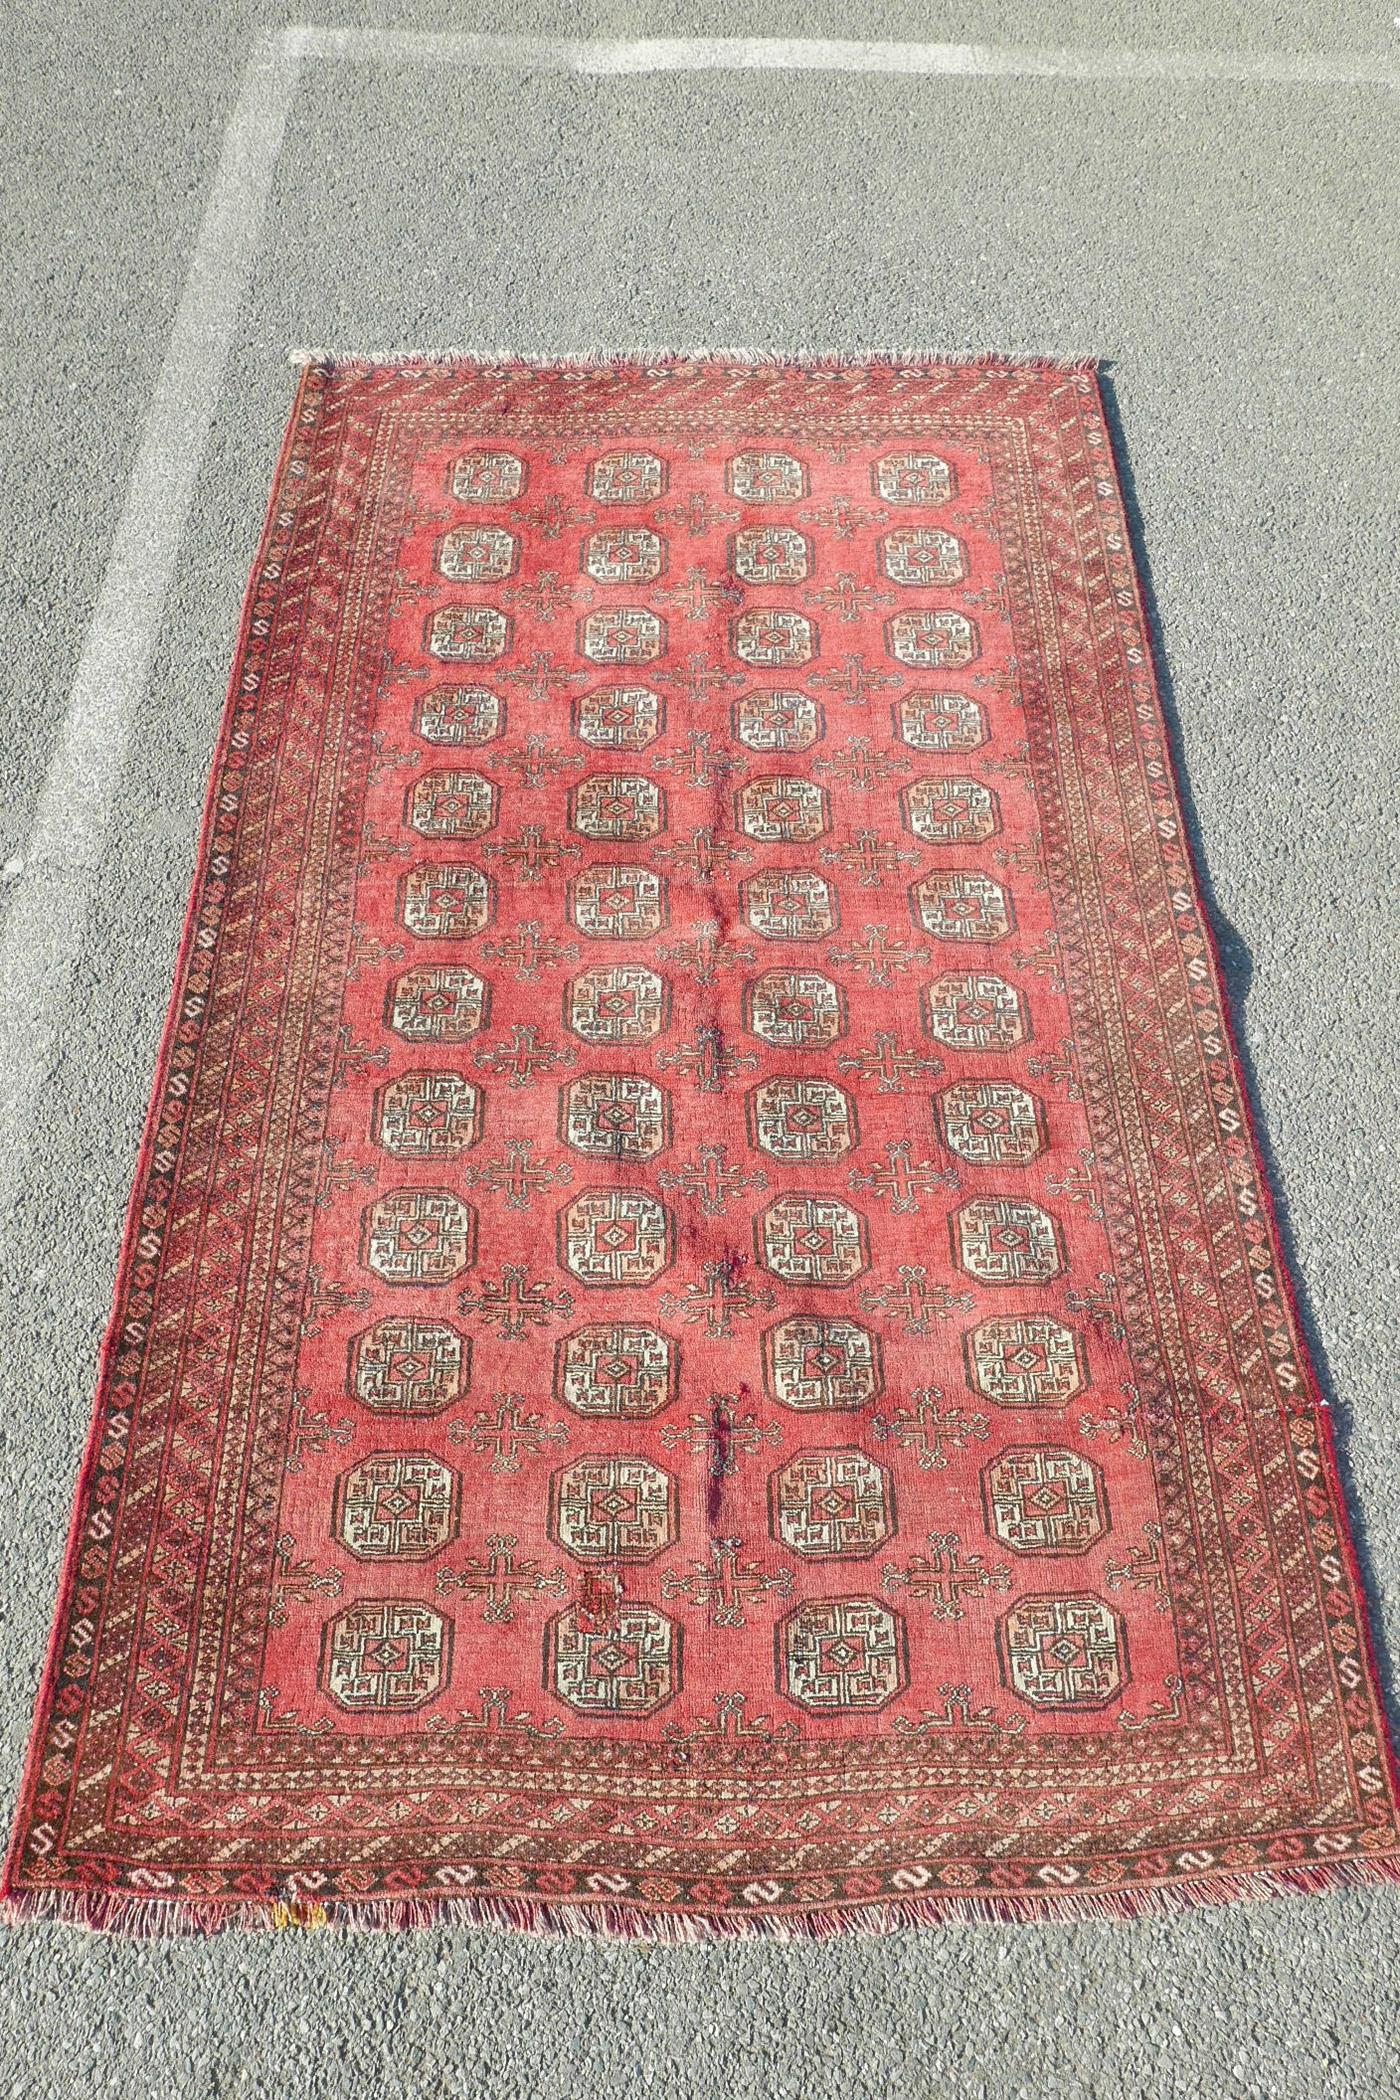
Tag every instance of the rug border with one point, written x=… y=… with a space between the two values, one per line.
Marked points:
x=158 y=1917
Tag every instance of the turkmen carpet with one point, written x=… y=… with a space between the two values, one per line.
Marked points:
x=701 y=1344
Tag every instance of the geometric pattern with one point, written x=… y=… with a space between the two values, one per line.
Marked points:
x=701 y=1332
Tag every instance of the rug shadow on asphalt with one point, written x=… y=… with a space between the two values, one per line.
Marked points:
x=1237 y=970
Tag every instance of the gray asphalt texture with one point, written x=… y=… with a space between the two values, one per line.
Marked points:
x=1231 y=251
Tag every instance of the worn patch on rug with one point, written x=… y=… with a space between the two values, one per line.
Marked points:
x=701 y=1344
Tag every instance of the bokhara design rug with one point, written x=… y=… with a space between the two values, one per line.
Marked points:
x=701 y=1345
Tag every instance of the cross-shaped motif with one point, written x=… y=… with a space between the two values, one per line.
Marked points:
x=880 y=955
x=959 y=1714
x=546 y=597
x=298 y=1581
x=1172 y=1708
x=849 y=598
x=530 y=855
x=701 y=763
x=708 y=1060
x=705 y=954
x=508 y=1432
x=539 y=762
x=388 y=758
x=729 y=1725
x=530 y=950
x=902 y=1181
x=516 y=1177
x=1142 y=1568
x=842 y=518
x=1100 y=1306
x=354 y=1059
x=1117 y=1424
x=705 y=855
x=551 y=517
x=702 y=680
x=719 y=1299
x=697 y=515
x=324 y=1300
x=515 y=1305
x=340 y=1176
x=916 y=1301
x=945 y=1575
x=1057 y=1066
x=1076 y=1184
x=929 y=1430
x=886 y=1063
x=869 y=858
x=312 y=1431
x=855 y=682
x=697 y=597
x=367 y=952
x=711 y=1180
x=525 y=1056
x=726 y=1583
x=726 y=1434
x=496 y=1718
x=499 y=1578
x=374 y=849
x=861 y=767
x=537 y=677
x=1044 y=961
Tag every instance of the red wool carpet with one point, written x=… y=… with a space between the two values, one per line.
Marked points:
x=700 y=1344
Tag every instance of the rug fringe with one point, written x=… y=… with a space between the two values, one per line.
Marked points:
x=643 y=359
x=161 y=1917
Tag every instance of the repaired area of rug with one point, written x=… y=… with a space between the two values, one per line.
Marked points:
x=701 y=1345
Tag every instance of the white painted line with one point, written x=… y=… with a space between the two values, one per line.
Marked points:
x=51 y=882
x=596 y=56
x=49 y=904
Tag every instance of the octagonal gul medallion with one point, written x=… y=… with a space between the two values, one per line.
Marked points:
x=624 y=554
x=919 y=555
x=488 y=477
x=778 y=721
x=449 y=805
x=940 y=722
x=796 y=1120
x=396 y=1505
x=427 y=1115
x=438 y=1006
x=613 y=1506
x=831 y=1505
x=615 y=1238
x=1001 y=1240
x=468 y=634
x=418 y=1236
x=624 y=1669
x=961 y=904
x=614 y=903
x=479 y=554
x=766 y=477
x=1040 y=1498
x=782 y=809
x=950 y=812
x=772 y=638
x=385 y=1655
x=445 y=900
x=974 y=1010
x=790 y=904
x=770 y=554
x=812 y=1239
x=991 y=1123
x=913 y=477
x=626 y=477
x=1032 y=1361
x=1063 y=1654
x=932 y=641
x=409 y=1367
x=626 y=1003
x=618 y=1369
x=619 y=718
x=841 y=1655
x=617 y=807
x=615 y=1115
x=819 y=1365
x=795 y=1009
x=459 y=714
x=622 y=634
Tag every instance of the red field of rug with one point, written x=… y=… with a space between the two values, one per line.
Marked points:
x=700 y=1344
